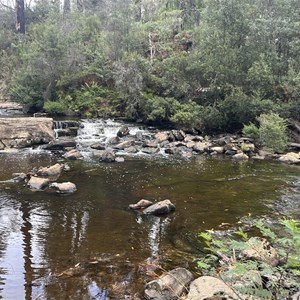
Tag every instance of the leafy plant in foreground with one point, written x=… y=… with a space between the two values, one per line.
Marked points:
x=249 y=276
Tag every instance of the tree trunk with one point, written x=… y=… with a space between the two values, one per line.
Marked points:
x=80 y=5
x=67 y=6
x=20 y=14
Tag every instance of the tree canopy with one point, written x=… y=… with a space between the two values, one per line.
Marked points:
x=212 y=65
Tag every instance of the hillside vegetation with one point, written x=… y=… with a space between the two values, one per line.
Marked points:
x=212 y=65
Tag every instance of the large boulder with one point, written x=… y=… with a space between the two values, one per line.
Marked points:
x=207 y=287
x=169 y=286
x=25 y=132
x=38 y=183
x=160 y=208
x=52 y=171
x=64 y=187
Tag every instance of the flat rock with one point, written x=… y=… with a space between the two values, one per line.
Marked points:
x=25 y=132
x=120 y=159
x=124 y=145
x=290 y=158
x=73 y=154
x=218 y=149
x=52 y=171
x=261 y=250
x=64 y=187
x=98 y=146
x=38 y=183
x=60 y=145
x=169 y=286
x=143 y=203
x=159 y=208
x=207 y=287
x=240 y=156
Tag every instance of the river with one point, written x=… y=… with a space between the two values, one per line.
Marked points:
x=113 y=250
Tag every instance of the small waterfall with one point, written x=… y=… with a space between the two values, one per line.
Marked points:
x=99 y=131
x=65 y=128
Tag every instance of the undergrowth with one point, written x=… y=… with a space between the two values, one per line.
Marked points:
x=256 y=276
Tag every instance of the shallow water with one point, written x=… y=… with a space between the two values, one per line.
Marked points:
x=43 y=234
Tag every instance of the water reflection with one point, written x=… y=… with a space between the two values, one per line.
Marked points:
x=44 y=236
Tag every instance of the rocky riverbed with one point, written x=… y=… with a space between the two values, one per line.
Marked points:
x=63 y=136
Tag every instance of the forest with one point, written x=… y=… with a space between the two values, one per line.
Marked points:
x=208 y=65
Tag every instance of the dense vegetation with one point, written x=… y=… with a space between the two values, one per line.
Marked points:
x=212 y=65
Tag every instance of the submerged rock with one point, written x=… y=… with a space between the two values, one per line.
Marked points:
x=159 y=208
x=64 y=188
x=38 y=183
x=143 y=203
x=169 y=286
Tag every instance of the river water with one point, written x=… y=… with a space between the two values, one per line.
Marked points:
x=88 y=245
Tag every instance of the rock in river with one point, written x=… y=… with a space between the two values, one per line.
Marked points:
x=108 y=156
x=291 y=158
x=38 y=183
x=143 y=203
x=52 y=171
x=169 y=286
x=64 y=188
x=25 y=132
x=73 y=154
x=160 y=208
x=123 y=131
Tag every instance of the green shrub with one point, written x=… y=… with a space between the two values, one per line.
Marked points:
x=93 y=101
x=271 y=133
x=251 y=131
x=54 y=107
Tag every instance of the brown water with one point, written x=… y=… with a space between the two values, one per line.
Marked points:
x=43 y=234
